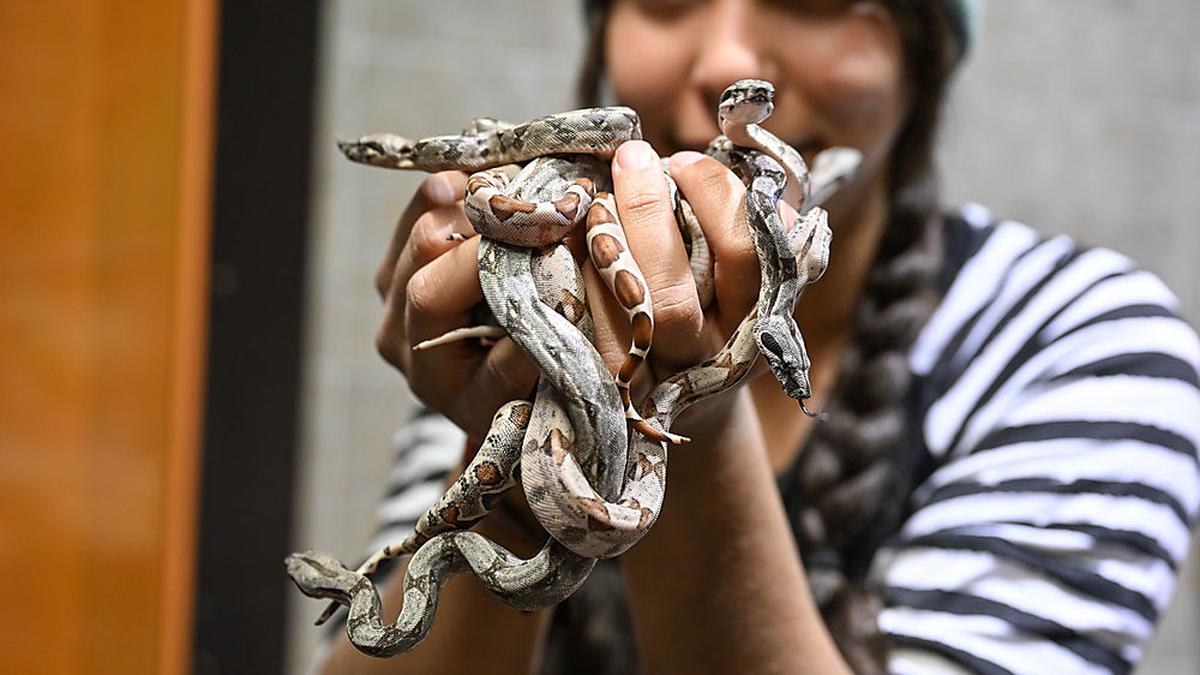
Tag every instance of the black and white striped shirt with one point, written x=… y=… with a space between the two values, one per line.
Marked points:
x=1062 y=422
x=1059 y=411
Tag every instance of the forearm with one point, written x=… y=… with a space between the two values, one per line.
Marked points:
x=473 y=631
x=717 y=585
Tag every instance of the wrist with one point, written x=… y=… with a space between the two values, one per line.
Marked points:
x=723 y=527
x=713 y=418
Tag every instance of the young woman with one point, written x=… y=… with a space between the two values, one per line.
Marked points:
x=1006 y=474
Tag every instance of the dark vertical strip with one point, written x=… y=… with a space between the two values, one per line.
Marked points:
x=261 y=212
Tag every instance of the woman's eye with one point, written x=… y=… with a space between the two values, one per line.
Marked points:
x=667 y=7
x=812 y=6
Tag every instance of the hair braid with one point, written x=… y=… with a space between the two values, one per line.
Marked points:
x=849 y=470
x=854 y=473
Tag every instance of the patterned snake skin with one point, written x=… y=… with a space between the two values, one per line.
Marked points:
x=596 y=487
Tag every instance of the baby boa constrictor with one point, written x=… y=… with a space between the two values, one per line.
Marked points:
x=565 y=453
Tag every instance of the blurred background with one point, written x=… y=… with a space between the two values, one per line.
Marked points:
x=188 y=382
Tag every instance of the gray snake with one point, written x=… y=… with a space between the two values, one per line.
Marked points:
x=594 y=486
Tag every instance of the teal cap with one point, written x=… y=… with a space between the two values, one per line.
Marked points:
x=965 y=14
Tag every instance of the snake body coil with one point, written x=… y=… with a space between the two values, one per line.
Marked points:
x=596 y=486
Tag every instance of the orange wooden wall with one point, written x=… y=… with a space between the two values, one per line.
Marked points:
x=105 y=144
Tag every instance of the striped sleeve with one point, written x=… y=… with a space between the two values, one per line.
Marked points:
x=426 y=450
x=1063 y=430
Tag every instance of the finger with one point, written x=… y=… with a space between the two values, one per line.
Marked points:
x=717 y=198
x=427 y=243
x=437 y=297
x=610 y=323
x=429 y=239
x=440 y=295
x=644 y=208
x=504 y=375
x=440 y=189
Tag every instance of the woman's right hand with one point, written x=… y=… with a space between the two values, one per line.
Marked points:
x=429 y=285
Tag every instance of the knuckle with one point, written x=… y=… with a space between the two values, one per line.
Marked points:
x=644 y=206
x=709 y=175
x=420 y=295
x=732 y=239
x=736 y=247
x=427 y=241
x=677 y=311
x=504 y=377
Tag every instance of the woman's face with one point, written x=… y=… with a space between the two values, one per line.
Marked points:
x=837 y=68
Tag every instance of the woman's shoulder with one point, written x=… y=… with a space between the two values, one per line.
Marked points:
x=1060 y=407
x=1022 y=311
x=999 y=271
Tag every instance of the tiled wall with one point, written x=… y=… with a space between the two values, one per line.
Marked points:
x=1076 y=116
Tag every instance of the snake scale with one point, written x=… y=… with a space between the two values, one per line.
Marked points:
x=592 y=463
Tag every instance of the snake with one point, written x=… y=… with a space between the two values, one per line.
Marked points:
x=596 y=488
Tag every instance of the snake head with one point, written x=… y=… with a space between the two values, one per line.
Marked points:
x=747 y=102
x=386 y=150
x=320 y=575
x=780 y=343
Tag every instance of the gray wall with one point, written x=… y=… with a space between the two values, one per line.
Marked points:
x=1077 y=116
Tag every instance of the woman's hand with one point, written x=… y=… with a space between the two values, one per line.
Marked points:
x=723 y=526
x=685 y=333
x=429 y=285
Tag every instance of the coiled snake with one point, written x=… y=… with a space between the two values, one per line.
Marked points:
x=595 y=483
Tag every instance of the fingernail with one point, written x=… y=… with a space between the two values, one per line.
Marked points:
x=684 y=158
x=636 y=155
x=788 y=215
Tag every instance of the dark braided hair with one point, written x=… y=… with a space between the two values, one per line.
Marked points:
x=850 y=483
x=855 y=473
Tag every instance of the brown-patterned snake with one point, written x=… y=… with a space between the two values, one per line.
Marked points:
x=594 y=485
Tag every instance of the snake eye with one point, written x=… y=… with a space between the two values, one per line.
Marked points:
x=769 y=343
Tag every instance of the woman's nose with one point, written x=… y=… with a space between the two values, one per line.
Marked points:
x=729 y=48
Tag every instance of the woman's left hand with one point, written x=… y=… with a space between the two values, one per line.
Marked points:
x=685 y=333
x=723 y=526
